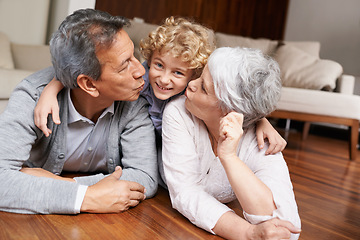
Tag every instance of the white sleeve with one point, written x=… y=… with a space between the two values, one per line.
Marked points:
x=183 y=171
x=80 y=195
x=273 y=172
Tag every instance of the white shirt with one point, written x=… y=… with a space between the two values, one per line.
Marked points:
x=196 y=180
x=85 y=145
x=86 y=141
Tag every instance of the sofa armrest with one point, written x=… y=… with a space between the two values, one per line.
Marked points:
x=31 y=57
x=9 y=78
x=345 y=84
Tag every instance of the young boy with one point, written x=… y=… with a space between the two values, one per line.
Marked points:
x=176 y=52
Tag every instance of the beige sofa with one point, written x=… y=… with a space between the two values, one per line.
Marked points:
x=314 y=89
x=18 y=61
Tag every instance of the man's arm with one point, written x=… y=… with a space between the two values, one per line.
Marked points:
x=137 y=141
x=21 y=192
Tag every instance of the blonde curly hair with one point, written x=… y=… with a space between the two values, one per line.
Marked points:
x=182 y=38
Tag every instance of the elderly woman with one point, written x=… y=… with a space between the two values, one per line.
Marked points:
x=210 y=152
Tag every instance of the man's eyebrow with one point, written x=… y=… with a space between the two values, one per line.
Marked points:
x=123 y=62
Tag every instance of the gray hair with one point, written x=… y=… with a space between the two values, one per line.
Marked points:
x=73 y=46
x=245 y=81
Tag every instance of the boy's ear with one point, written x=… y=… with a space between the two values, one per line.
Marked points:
x=86 y=83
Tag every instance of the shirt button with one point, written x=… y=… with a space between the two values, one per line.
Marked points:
x=61 y=156
x=85 y=163
x=111 y=161
x=90 y=149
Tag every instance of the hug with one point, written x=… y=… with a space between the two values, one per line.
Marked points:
x=205 y=107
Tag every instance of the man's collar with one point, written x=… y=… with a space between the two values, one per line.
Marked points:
x=75 y=116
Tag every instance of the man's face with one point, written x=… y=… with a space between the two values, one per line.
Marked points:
x=121 y=73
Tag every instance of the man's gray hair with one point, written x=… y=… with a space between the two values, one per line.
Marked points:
x=245 y=81
x=73 y=46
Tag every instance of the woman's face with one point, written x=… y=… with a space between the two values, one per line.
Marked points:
x=201 y=99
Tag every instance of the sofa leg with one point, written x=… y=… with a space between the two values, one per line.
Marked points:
x=306 y=130
x=354 y=138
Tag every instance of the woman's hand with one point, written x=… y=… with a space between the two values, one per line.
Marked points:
x=272 y=229
x=230 y=132
x=264 y=130
x=232 y=226
x=39 y=172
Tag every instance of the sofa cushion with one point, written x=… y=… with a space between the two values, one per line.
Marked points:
x=225 y=40
x=9 y=79
x=138 y=31
x=299 y=69
x=6 y=60
x=313 y=48
x=24 y=55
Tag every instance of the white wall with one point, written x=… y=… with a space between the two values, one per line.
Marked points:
x=24 y=21
x=334 y=23
x=61 y=8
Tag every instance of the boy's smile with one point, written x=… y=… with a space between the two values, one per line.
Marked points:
x=168 y=75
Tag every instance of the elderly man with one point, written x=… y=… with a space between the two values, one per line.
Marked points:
x=105 y=127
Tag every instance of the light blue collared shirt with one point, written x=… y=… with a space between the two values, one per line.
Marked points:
x=86 y=141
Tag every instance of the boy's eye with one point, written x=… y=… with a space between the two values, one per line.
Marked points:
x=179 y=73
x=159 y=65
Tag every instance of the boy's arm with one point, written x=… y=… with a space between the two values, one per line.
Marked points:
x=264 y=130
x=46 y=105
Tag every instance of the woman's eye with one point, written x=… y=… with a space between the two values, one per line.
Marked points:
x=159 y=65
x=202 y=87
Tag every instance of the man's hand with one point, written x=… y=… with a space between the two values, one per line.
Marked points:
x=111 y=195
x=273 y=229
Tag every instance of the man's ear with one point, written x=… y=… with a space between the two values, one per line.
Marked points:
x=86 y=83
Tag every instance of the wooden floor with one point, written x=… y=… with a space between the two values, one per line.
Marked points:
x=326 y=185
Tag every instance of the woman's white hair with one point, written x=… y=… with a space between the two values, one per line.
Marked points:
x=245 y=81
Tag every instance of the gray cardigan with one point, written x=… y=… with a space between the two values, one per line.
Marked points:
x=131 y=145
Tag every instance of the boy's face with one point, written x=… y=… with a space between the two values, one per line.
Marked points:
x=168 y=75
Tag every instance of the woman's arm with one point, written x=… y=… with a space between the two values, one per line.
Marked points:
x=46 y=105
x=245 y=184
x=39 y=172
x=231 y=226
x=264 y=130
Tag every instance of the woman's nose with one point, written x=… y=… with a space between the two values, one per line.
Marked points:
x=192 y=85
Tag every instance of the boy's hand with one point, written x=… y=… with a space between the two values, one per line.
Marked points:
x=42 y=110
x=46 y=105
x=265 y=130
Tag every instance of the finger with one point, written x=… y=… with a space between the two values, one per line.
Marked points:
x=134 y=186
x=133 y=203
x=55 y=115
x=288 y=225
x=42 y=125
x=239 y=118
x=277 y=149
x=117 y=173
x=45 y=130
x=283 y=145
x=260 y=139
x=270 y=149
x=138 y=196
